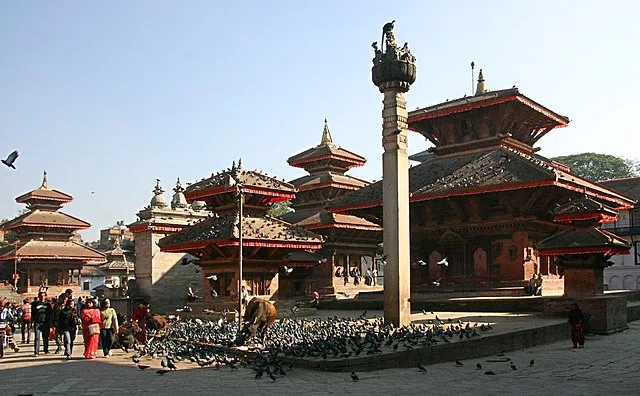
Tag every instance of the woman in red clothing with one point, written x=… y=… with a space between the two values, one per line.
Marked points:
x=139 y=317
x=91 y=318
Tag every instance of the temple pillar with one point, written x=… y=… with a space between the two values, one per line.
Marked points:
x=395 y=163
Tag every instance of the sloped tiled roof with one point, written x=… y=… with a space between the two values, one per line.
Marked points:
x=628 y=186
x=324 y=219
x=45 y=194
x=477 y=172
x=39 y=217
x=226 y=227
x=581 y=209
x=53 y=250
x=324 y=151
x=488 y=98
x=312 y=181
x=578 y=240
x=216 y=184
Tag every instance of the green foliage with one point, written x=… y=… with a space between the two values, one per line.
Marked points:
x=598 y=167
x=279 y=208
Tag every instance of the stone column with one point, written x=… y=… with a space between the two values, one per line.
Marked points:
x=395 y=173
x=393 y=73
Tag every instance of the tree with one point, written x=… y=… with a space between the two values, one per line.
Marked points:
x=279 y=208
x=598 y=167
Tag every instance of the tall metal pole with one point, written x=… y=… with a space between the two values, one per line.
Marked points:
x=15 y=266
x=241 y=198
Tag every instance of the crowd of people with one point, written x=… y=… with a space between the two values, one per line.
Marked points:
x=370 y=277
x=58 y=320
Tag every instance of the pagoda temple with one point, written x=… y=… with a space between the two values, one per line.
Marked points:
x=351 y=242
x=482 y=196
x=161 y=279
x=269 y=244
x=46 y=252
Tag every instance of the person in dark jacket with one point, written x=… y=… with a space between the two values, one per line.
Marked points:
x=57 y=308
x=576 y=318
x=41 y=315
x=68 y=325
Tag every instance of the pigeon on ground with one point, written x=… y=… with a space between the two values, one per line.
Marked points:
x=513 y=366
x=489 y=372
x=354 y=377
x=478 y=366
x=531 y=363
x=459 y=363
x=421 y=368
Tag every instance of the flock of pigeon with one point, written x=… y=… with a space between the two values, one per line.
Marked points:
x=212 y=343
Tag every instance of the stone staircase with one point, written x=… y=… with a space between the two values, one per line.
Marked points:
x=6 y=291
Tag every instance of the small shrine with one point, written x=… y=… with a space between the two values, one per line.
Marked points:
x=239 y=226
x=582 y=252
x=46 y=253
x=351 y=242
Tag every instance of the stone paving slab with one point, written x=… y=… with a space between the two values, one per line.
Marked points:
x=608 y=364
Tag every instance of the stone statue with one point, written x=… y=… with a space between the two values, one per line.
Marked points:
x=391 y=51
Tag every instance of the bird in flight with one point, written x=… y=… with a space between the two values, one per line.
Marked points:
x=443 y=262
x=11 y=158
x=212 y=277
x=287 y=270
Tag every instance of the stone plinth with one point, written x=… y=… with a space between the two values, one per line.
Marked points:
x=604 y=314
x=583 y=282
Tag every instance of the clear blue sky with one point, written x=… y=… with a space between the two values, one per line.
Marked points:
x=109 y=96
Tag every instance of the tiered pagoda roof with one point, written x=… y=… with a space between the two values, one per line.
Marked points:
x=219 y=193
x=221 y=232
x=326 y=182
x=326 y=156
x=44 y=232
x=483 y=143
x=584 y=237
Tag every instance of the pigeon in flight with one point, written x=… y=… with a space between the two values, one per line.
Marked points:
x=213 y=277
x=443 y=262
x=287 y=270
x=11 y=159
x=421 y=262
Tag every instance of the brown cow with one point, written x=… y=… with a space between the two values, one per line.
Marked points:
x=259 y=315
x=157 y=322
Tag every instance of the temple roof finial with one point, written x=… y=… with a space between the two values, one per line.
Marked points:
x=480 y=89
x=178 y=201
x=45 y=185
x=240 y=163
x=233 y=165
x=158 y=200
x=326 y=135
